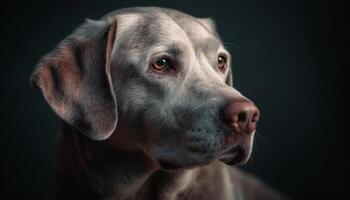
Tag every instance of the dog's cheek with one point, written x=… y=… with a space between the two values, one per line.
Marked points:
x=132 y=101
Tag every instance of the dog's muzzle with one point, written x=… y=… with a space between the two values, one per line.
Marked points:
x=242 y=118
x=237 y=149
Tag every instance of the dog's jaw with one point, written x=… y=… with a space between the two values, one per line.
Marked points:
x=239 y=149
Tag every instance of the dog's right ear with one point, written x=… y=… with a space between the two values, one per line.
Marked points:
x=75 y=79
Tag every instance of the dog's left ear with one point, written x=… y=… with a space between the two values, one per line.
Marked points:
x=209 y=24
x=75 y=79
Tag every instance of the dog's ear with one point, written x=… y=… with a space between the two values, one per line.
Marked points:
x=209 y=24
x=75 y=79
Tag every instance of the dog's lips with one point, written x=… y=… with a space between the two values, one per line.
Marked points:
x=231 y=140
x=236 y=151
x=233 y=156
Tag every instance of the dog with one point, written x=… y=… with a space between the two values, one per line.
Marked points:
x=149 y=111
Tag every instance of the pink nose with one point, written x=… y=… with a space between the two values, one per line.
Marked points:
x=242 y=116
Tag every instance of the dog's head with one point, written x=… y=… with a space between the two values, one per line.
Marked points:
x=155 y=79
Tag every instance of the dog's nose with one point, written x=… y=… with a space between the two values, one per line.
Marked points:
x=241 y=116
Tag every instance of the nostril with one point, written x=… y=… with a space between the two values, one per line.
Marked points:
x=242 y=117
x=255 y=117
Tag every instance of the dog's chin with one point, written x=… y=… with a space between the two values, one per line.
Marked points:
x=235 y=155
x=170 y=165
x=238 y=152
x=167 y=165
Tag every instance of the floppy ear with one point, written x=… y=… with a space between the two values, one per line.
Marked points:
x=209 y=24
x=75 y=79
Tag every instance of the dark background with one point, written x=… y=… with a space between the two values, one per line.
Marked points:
x=287 y=59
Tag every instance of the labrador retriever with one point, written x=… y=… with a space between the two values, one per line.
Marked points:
x=148 y=110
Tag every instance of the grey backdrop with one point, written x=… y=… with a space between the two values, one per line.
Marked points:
x=286 y=58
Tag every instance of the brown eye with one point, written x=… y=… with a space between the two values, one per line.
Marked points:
x=161 y=64
x=222 y=63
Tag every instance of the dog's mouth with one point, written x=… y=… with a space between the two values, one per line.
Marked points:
x=234 y=155
x=166 y=165
x=232 y=150
x=171 y=165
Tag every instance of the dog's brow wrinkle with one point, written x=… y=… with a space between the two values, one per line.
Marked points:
x=193 y=29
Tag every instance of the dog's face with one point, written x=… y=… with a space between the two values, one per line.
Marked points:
x=166 y=80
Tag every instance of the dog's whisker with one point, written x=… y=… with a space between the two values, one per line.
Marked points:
x=252 y=158
x=231 y=44
x=227 y=37
x=262 y=138
x=255 y=154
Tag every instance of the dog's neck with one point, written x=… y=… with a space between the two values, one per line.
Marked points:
x=95 y=170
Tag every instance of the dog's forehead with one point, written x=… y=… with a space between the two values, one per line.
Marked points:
x=192 y=26
x=150 y=25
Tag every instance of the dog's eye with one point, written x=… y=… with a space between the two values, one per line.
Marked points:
x=222 y=62
x=161 y=64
